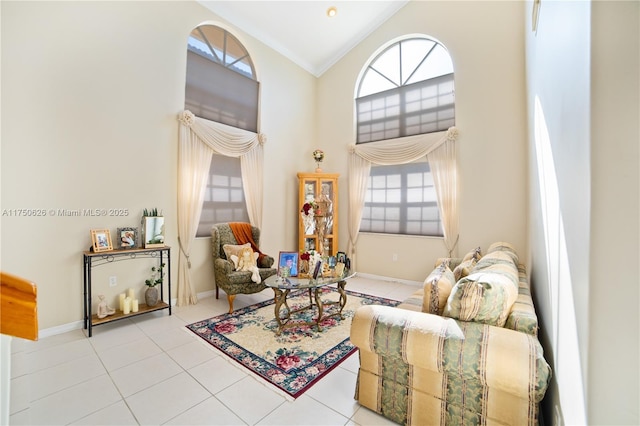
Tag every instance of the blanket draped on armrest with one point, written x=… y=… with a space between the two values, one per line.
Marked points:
x=242 y=233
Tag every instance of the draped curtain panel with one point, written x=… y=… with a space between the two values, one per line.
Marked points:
x=199 y=139
x=440 y=150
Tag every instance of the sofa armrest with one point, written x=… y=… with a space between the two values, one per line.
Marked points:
x=499 y=358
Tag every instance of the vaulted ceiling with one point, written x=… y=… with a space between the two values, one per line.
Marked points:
x=302 y=30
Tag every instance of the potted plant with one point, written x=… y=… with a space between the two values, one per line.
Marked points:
x=151 y=295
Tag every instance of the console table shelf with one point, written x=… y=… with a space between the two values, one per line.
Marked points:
x=142 y=309
x=93 y=259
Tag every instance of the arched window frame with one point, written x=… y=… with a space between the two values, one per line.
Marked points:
x=392 y=204
x=404 y=92
x=222 y=86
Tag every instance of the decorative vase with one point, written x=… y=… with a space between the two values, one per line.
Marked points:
x=151 y=296
x=318 y=156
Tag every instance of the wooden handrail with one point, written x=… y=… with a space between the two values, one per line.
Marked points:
x=18 y=307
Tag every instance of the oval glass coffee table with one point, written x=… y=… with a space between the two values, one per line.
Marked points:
x=283 y=286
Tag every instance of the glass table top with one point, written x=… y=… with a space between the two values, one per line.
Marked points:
x=275 y=281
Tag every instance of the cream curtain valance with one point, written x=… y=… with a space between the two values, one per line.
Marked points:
x=199 y=139
x=439 y=149
x=222 y=139
x=402 y=150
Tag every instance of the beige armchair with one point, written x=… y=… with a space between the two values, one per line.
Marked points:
x=227 y=278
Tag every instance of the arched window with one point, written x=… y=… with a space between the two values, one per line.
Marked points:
x=407 y=89
x=221 y=86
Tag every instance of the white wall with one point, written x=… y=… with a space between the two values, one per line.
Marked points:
x=90 y=95
x=614 y=293
x=490 y=115
x=582 y=67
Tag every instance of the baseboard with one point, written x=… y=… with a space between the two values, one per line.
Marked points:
x=76 y=325
x=64 y=328
x=390 y=279
x=204 y=294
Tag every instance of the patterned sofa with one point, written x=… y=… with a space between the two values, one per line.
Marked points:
x=461 y=350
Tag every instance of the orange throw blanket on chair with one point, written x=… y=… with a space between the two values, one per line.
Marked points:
x=242 y=233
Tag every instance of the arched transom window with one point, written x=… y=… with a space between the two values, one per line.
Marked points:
x=221 y=80
x=406 y=90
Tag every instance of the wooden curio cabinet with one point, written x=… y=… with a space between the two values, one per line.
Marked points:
x=321 y=232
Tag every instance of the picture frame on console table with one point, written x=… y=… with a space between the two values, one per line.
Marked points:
x=101 y=240
x=128 y=238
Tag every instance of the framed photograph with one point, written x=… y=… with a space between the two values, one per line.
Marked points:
x=289 y=259
x=153 y=231
x=317 y=271
x=341 y=257
x=128 y=238
x=101 y=239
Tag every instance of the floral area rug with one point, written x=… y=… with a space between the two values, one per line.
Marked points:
x=301 y=355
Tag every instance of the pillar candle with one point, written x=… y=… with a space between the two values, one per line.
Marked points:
x=131 y=294
x=134 y=305
x=122 y=296
x=127 y=306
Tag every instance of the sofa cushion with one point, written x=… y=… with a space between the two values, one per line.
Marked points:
x=487 y=294
x=495 y=259
x=437 y=287
x=506 y=248
x=413 y=302
x=523 y=314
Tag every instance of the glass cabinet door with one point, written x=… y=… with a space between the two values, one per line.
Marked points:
x=319 y=231
x=327 y=195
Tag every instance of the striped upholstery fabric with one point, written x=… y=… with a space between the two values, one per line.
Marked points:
x=523 y=315
x=419 y=368
x=413 y=302
x=424 y=369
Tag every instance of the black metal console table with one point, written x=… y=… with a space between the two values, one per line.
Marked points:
x=92 y=260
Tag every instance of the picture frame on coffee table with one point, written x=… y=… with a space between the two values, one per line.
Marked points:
x=289 y=259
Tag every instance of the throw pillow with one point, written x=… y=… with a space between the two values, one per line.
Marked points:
x=480 y=298
x=487 y=294
x=437 y=287
x=464 y=268
x=475 y=253
x=234 y=250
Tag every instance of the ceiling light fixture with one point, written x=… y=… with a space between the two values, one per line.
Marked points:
x=332 y=11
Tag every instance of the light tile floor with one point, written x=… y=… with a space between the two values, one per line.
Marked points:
x=149 y=370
